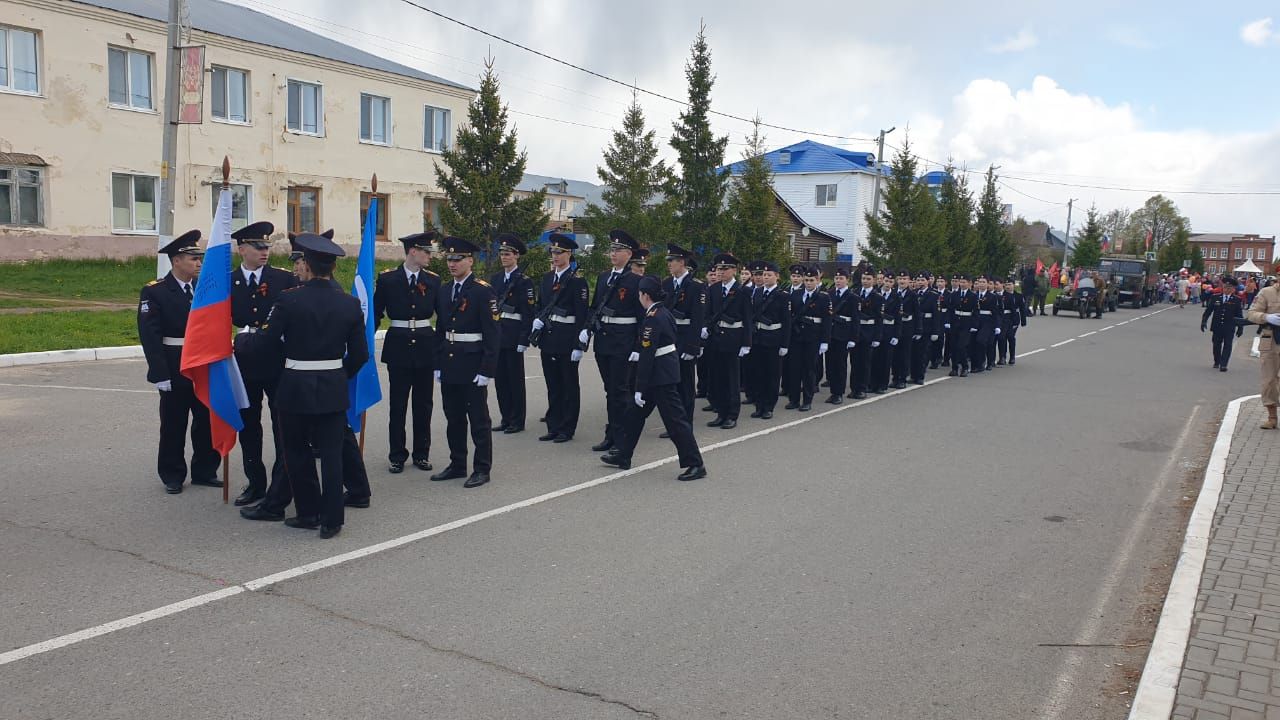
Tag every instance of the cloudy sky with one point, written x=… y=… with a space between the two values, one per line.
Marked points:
x=1102 y=102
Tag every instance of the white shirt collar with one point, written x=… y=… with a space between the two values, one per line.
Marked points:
x=408 y=274
x=248 y=274
x=680 y=279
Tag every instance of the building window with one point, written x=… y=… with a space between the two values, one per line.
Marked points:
x=133 y=202
x=304 y=210
x=1238 y=253
x=129 y=78
x=20 y=196
x=241 y=204
x=19 y=63
x=1262 y=253
x=306 y=108
x=791 y=242
x=431 y=214
x=563 y=204
x=375 y=119
x=380 y=231
x=1213 y=253
x=230 y=95
x=1248 y=253
x=824 y=195
x=435 y=129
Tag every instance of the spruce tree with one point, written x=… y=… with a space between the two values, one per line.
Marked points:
x=699 y=189
x=480 y=171
x=955 y=221
x=1088 y=248
x=907 y=234
x=752 y=223
x=996 y=252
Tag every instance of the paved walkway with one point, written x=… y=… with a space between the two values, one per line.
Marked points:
x=1232 y=668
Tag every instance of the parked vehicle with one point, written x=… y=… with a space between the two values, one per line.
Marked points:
x=1132 y=278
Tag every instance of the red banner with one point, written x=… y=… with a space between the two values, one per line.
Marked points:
x=191 y=86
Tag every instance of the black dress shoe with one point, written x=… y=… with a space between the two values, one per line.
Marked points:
x=1000 y=362
x=547 y=437
x=249 y=496
x=327 y=532
x=259 y=512
x=767 y=414
x=858 y=395
x=616 y=460
x=757 y=413
x=697 y=472
x=898 y=385
x=954 y=373
x=933 y=366
x=562 y=438
x=500 y=427
x=424 y=465
x=835 y=400
x=729 y=424
x=476 y=480
x=395 y=468
x=512 y=429
x=1012 y=361
x=207 y=482
x=450 y=473
x=602 y=446
x=664 y=435
x=791 y=405
x=717 y=422
x=303 y=523
x=173 y=489
x=805 y=407
x=700 y=396
x=824 y=383
x=355 y=502
x=964 y=372
x=917 y=382
x=1222 y=369
x=708 y=408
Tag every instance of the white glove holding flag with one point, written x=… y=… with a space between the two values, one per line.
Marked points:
x=742 y=351
x=946 y=326
x=575 y=356
x=583 y=337
x=686 y=356
x=521 y=348
x=822 y=348
x=538 y=324
x=639 y=398
x=164 y=386
x=481 y=380
x=915 y=337
x=633 y=357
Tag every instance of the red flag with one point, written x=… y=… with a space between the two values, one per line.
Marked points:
x=1150 y=235
x=1053 y=275
x=1039 y=266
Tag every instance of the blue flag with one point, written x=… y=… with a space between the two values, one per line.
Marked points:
x=363 y=389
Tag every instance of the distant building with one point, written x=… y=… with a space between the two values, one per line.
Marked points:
x=1224 y=252
x=807 y=243
x=566 y=200
x=934 y=182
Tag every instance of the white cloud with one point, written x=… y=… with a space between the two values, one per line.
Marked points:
x=1025 y=39
x=1259 y=33
x=1130 y=37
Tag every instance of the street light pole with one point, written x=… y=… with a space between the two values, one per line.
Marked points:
x=1066 y=241
x=169 y=147
x=875 y=201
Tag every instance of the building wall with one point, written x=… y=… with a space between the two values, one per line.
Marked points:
x=815 y=248
x=1250 y=247
x=846 y=219
x=83 y=139
x=557 y=216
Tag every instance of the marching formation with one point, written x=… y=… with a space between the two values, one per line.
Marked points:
x=738 y=336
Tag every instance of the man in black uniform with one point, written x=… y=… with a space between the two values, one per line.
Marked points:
x=163 y=307
x=934 y=301
x=908 y=329
x=712 y=277
x=929 y=329
x=961 y=324
x=983 y=350
x=255 y=287
x=615 y=313
x=1021 y=308
x=728 y=340
x=516 y=305
x=657 y=383
x=1223 y=309
x=562 y=314
x=640 y=261
x=406 y=295
x=770 y=340
x=890 y=313
x=810 y=336
x=687 y=304
x=323 y=332
x=870 y=310
x=466 y=359
x=844 y=326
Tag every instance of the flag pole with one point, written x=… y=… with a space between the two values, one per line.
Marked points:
x=373 y=186
x=226 y=459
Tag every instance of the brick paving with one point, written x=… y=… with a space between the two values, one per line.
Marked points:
x=1232 y=669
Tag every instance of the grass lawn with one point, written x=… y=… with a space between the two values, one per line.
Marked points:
x=67 y=330
x=10 y=302
x=112 y=280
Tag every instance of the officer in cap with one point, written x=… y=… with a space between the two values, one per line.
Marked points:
x=961 y=324
x=701 y=387
x=406 y=296
x=562 y=314
x=323 y=334
x=163 y=307
x=516 y=306
x=810 y=338
x=728 y=332
x=938 y=354
x=615 y=322
x=844 y=329
x=929 y=327
x=640 y=261
x=870 y=310
x=1225 y=311
x=657 y=382
x=750 y=278
x=908 y=329
x=686 y=302
x=890 y=314
x=986 y=328
x=255 y=287
x=770 y=340
x=466 y=359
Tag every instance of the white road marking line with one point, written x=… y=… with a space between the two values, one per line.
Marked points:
x=1091 y=332
x=74 y=387
x=1105 y=328
x=1126 y=322
x=1064 y=342
x=279 y=577
x=1030 y=352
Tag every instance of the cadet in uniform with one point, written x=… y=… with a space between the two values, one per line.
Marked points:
x=516 y=305
x=908 y=329
x=640 y=261
x=687 y=303
x=890 y=314
x=930 y=327
x=562 y=314
x=938 y=336
x=844 y=329
x=983 y=351
x=770 y=340
x=406 y=295
x=728 y=333
x=712 y=277
x=657 y=383
x=1016 y=311
x=749 y=277
x=867 y=340
x=1222 y=312
x=810 y=335
x=466 y=358
x=961 y=325
x=163 y=307
x=615 y=312
x=255 y=287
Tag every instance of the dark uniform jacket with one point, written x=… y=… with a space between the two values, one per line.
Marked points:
x=570 y=299
x=688 y=308
x=962 y=310
x=730 y=308
x=162 y=313
x=1221 y=313
x=989 y=309
x=413 y=347
x=516 y=307
x=930 y=305
x=890 y=316
x=870 y=310
x=811 y=321
x=773 y=309
x=657 y=334
x=618 y=302
x=249 y=309
x=909 y=322
x=844 y=317
x=1015 y=309
x=315 y=321
x=460 y=359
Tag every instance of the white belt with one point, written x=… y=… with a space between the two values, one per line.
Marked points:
x=811 y=319
x=888 y=322
x=1006 y=312
x=768 y=326
x=846 y=318
x=906 y=318
x=984 y=312
x=664 y=350
x=729 y=325
x=452 y=336
x=618 y=320
x=564 y=318
x=176 y=342
x=685 y=321
x=246 y=329
x=291 y=364
x=928 y=315
x=867 y=322
x=512 y=316
x=412 y=323
x=962 y=313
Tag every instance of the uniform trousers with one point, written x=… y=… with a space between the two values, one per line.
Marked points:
x=749 y=372
x=1270 y=369
x=768 y=369
x=919 y=357
x=1011 y=337
x=958 y=340
x=701 y=388
x=881 y=360
x=1222 y=345
x=355 y=479
x=420 y=383
x=255 y=470
x=837 y=361
x=467 y=404
x=666 y=398
x=860 y=379
x=176 y=406
x=564 y=394
x=725 y=382
x=509 y=386
x=688 y=382
x=314 y=498
x=802 y=366
x=902 y=359
x=615 y=374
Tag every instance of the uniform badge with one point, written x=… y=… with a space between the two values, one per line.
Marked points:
x=145 y=307
x=645 y=343
x=622 y=294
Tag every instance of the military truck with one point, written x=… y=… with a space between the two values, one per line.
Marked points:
x=1133 y=280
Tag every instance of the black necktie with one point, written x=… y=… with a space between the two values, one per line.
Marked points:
x=613 y=277
x=186 y=288
x=413 y=280
x=253 y=283
x=457 y=289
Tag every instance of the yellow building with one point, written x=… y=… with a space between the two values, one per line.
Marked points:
x=305 y=120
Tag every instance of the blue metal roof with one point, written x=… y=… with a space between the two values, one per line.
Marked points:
x=937 y=177
x=808 y=156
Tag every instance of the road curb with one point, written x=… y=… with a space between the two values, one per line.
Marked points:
x=51 y=357
x=1158 y=687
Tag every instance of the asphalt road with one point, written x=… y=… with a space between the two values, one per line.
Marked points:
x=940 y=552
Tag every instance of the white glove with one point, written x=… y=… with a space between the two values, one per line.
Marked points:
x=946 y=326
x=893 y=341
x=521 y=348
x=164 y=386
x=875 y=343
x=633 y=357
x=639 y=397
x=997 y=331
x=915 y=337
x=437 y=373
x=973 y=329
x=700 y=351
x=822 y=348
x=782 y=352
x=933 y=338
x=583 y=337
x=742 y=351
x=575 y=355
x=686 y=356
x=704 y=333
x=538 y=324
x=851 y=345
x=1273 y=318
x=481 y=380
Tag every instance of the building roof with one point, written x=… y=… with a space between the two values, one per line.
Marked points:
x=808 y=156
x=242 y=23
x=800 y=221
x=1229 y=237
x=577 y=188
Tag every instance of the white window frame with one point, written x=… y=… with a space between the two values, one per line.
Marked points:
x=226 y=87
x=1248 y=253
x=319 y=131
x=387 y=120
x=1262 y=253
x=832 y=189
x=15 y=195
x=133 y=221
x=6 y=77
x=446 y=141
x=1213 y=253
x=248 y=194
x=128 y=80
x=1239 y=252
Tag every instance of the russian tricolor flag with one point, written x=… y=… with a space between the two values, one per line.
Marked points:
x=207 y=357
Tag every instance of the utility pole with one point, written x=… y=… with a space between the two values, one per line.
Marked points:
x=169 y=148
x=1066 y=253
x=875 y=202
